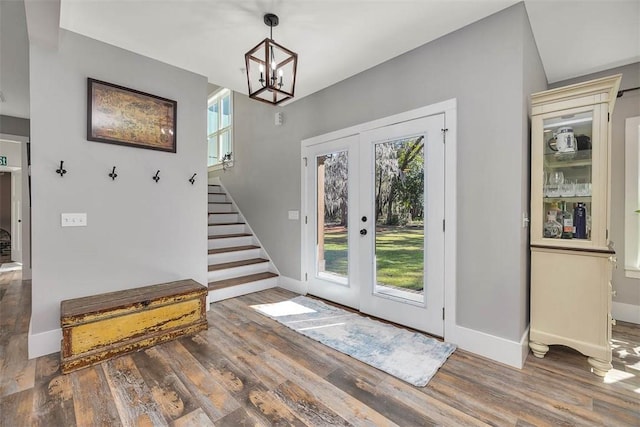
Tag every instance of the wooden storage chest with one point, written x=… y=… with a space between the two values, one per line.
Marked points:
x=99 y=327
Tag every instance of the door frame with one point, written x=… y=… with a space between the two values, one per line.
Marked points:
x=449 y=108
x=25 y=224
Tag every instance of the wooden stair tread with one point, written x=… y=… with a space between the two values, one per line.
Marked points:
x=233 y=264
x=226 y=223
x=220 y=284
x=219 y=203
x=232 y=249
x=226 y=236
x=222 y=213
x=217 y=192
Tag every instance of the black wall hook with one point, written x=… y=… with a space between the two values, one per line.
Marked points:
x=193 y=178
x=61 y=170
x=156 y=177
x=113 y=175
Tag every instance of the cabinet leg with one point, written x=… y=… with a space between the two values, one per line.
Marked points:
x=599 y=367
x=538 y=349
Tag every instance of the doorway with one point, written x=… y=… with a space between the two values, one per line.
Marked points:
x=374 y=239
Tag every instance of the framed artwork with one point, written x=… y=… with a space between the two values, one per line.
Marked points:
x=123 y=116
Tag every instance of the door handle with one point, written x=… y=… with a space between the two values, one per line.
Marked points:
x=363 y=231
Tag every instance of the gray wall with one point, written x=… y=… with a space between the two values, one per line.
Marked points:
x=139 y=232
x=483 y=66
x=627 y=289
x=14 y=126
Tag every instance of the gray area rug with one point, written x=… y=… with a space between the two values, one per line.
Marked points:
x=410 y=356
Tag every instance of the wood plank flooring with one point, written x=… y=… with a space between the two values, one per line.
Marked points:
x=248 y=370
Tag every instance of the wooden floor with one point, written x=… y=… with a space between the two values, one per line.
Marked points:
x=248 y=370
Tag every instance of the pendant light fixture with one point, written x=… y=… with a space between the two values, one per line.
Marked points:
x=271 y=68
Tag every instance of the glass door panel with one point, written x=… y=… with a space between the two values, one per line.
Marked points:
x=331 y=182
x=399 y=211
x=568 y=176
x=332 y=201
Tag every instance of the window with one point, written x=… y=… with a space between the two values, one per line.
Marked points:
x=632 y=198
x=220 y=128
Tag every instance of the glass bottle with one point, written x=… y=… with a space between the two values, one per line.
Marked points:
x=567 y=222
x=580 y=221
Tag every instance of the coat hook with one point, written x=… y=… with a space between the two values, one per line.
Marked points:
x=113 y=175
x=156 y=178
x=61 y=170
x=193 y=178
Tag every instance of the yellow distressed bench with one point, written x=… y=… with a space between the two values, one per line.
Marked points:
x=100 y=327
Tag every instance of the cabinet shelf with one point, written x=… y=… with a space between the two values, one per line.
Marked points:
x=565 y=160
x=570 y=199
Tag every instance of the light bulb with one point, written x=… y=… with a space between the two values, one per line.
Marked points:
x=261 y=68
x=273 y=65
x=280 y=72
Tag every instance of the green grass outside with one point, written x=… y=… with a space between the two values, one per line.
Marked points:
x=399 y=253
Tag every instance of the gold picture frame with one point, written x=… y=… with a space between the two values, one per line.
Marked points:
x=123 y=116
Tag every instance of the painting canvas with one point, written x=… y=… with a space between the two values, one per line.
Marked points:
x=119 y=115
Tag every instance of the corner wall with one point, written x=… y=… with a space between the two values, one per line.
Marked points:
x=139 y=232
x=482 y=66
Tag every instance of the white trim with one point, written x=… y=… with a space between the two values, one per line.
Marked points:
x=511 y=353
x=7 y=137
x=294 y=285
x=417 y=113
x=626 y=312
x=44 y=343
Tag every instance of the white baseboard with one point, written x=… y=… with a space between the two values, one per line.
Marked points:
x=44 y=343
x=501 y=350
x=626 y=312
x=293 y=285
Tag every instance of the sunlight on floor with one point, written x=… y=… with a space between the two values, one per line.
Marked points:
x=10 y=266
x=284 y=308
x=615 y=375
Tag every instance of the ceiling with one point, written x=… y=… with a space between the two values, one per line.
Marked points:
x=336 y=39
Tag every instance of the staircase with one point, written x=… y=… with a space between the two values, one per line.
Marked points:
x=238 y=265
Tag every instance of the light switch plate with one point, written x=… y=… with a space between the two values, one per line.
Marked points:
x=73 y=219
x=294 y=214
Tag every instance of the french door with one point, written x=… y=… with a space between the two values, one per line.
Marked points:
x=374 y=234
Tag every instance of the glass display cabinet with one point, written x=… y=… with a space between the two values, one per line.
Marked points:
x=571 y=255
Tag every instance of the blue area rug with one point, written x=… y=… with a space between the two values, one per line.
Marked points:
x=410 y=356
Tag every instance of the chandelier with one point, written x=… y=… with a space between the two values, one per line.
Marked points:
x=271 y=68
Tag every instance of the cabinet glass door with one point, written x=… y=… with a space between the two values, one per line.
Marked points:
x=567 y=172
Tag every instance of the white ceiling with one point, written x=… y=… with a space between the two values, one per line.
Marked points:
x=336 y=39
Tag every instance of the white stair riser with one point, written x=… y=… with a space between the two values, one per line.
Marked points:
x=215 y=189
x=233 y=256
x=220 y=207
x=247 y=288
x=223 y=218
x=244 y=270
x=216 y=230
x=231 y=241
x=217 y=198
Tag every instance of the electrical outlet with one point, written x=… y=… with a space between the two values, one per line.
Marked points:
x=294 y=214
x=73 y=219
